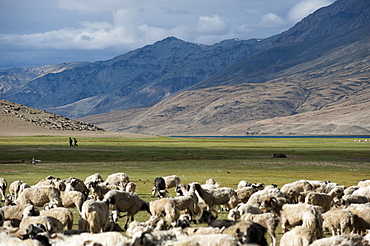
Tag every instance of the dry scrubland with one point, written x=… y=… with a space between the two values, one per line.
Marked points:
x=226 y=160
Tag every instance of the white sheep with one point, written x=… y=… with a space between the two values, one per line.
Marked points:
x=361 y=214
x=219 y=196
x=166 y=208
x=64 y=215
x=72 y=198
x=130 y=187
x=242 y=184
x=322 y=199
x=3 y=186
x=292 y=190
x=39 y=196
x=94 y=178
x=76 y=184
x=126 y=202
x=118 y=179
x=45 y=221
x=298 y=236
x=94 y=216
x=301 y=214
x=245 y=193
x=89 y=239
x=15 y=213
x=337 y=221
x=362 y=191
x=16 y=187
x=363 y=183
x=188 y=202
x=342 y=240
x=206 y=240
x=258 y=197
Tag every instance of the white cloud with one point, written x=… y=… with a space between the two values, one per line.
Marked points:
x=306 y=7
x=211 y=25
x=271 y=20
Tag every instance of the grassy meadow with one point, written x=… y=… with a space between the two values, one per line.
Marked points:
x=226 y=160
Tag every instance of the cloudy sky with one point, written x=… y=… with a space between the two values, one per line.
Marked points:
x=41 y=32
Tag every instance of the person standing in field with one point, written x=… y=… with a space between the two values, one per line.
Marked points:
x=70 y=142
x=75 y=142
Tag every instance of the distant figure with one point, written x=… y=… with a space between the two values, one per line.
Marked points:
x=70 y=142
x=75 y=142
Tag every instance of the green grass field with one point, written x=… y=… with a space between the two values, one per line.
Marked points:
x=226 y=160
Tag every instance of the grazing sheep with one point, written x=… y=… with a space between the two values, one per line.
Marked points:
x=39 y=196
x=16 y=187
x=258 y=197
x=242 y=184
x=89 y=239
x=206 y=240
x=243 y=208
x=322 y=199
x=130 y=187
x=94 y=216
x=118 y=179
x=294 y=189
x=342 y=240
x=267 y=220
x=15 y=213
x=126 y=202
x=189 y=202
x=94 y=178
x=337 y=221
x=350 y=190
x=301 y=214
x=64 y=215
x=248 y=233
x=75 y=184
x=298 y=236
x=361 y=214
x=219 y=196
x=245 y=193
x=363 y=183
x=72 y=198
x=362 y=191
x=202 y=230
x=3 y=186
x=45 y=221
x=165 y=207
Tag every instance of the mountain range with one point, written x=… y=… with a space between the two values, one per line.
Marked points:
x=310 y=79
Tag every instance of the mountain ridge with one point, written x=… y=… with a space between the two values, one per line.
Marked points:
x=233 y=87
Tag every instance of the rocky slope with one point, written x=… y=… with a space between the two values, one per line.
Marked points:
x=41 y=118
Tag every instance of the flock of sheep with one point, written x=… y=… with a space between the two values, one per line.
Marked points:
x=40 y=214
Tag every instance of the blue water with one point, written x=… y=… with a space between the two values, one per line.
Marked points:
x=275 y=136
